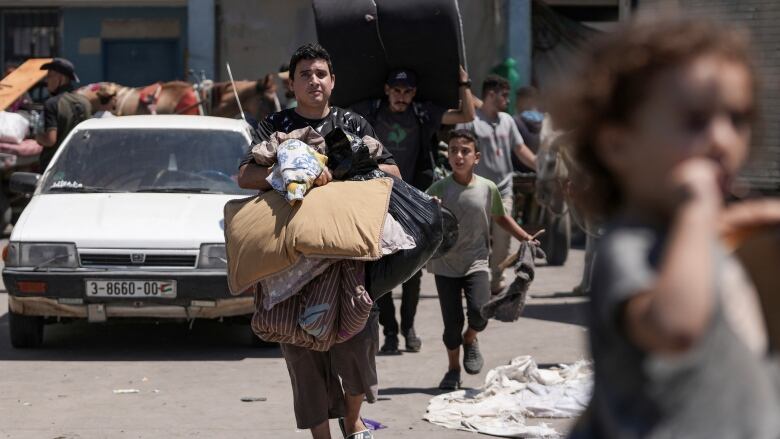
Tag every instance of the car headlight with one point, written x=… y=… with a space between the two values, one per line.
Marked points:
x=212 y=256
x=48 y=255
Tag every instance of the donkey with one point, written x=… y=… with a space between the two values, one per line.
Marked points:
x=258 y=98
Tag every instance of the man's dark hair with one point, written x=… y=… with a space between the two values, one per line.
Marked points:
x=494 y=83
x=462 y=133
x=309 y=51
x=527 y=92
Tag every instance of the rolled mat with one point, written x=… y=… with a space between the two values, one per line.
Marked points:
x=366 y=39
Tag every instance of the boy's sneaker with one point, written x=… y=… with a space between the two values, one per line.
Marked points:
x=391 y=345
x=472 y=358
x=413 y=342
x=451 y=380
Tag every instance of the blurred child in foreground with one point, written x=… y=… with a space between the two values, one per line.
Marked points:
x=662 y=115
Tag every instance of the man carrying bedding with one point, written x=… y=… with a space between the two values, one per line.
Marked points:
x=317 y=393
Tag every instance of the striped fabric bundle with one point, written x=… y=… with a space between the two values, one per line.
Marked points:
x=330 y=309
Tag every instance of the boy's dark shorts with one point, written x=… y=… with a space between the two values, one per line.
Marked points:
x=317 y=393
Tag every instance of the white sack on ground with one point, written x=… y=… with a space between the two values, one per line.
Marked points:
x=513 y=393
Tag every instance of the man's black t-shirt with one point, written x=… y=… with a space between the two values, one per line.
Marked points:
x=408 y=135
x=62 y=111
x=288 y=120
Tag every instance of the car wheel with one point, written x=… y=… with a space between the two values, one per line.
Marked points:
x=6 y=212
x=557 y=240
x=25 y=331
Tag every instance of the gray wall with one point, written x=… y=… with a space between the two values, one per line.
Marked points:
x=760 y=18
x=257 y=36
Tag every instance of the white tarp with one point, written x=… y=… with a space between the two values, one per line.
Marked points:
x=513 y=393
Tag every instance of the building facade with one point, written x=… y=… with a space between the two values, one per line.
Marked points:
x=128 y=42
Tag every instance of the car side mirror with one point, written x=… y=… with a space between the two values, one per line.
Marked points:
x=24 y=182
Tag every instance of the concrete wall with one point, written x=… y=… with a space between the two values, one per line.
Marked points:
x=760 y=18
x=257 y=36
x=83 y=30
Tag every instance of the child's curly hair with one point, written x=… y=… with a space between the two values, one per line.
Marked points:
x=615 y=75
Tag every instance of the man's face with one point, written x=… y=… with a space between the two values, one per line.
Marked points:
x=399 y=97
x=54 y=80
x=499 y=98
x=312 y=83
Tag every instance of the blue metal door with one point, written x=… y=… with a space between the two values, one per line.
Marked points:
x=140 y=62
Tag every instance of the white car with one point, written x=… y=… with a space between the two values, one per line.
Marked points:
x=127 y=221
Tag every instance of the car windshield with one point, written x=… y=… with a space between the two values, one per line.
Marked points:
x=149 y=160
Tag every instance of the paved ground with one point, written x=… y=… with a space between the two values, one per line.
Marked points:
x=191 y=380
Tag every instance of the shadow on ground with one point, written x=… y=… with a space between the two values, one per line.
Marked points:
x=395 y=391
x=574 y=312
x=139 y=341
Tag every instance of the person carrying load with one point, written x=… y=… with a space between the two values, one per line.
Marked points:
x=315 y=375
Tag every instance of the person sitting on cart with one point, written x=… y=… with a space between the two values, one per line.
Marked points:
x=499 y=139
x=529 y=120
x=63 y=110
x=407 y=128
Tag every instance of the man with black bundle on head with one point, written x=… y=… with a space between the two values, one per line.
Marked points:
x=407 y=127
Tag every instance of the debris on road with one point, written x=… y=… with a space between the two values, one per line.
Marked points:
x=125 y=391
x=511 y=394
x=373 y=425
x=254 y=399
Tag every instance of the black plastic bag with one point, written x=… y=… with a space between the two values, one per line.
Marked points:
x=348 y=156
x=421 y=217
x=450 y=230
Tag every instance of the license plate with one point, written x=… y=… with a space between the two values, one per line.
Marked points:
x=131 y=288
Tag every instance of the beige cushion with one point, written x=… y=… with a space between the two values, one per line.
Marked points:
x=265 y=235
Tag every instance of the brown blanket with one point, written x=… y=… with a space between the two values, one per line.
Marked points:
x=265 y=235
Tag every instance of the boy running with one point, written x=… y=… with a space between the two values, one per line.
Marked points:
x=475 y=201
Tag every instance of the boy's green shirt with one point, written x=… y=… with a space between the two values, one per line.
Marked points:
x=474 y=206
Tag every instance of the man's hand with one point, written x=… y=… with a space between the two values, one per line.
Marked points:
x=391 y=169
x=464 y=76
x=465 y=113
x=48 y=138
x=324 y=178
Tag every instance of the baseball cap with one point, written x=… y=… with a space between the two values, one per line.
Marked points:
x=62 y=65
x=403 y=77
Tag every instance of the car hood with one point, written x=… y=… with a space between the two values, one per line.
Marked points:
x=124 y=220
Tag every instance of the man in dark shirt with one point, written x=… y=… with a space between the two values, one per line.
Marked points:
x=329 y=384
x=406 y=127
x=63 y=110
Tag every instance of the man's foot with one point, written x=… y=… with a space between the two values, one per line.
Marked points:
x=413 y=342
x=472 y=358
x=391 y=345
x=451 y=380
x=361 y=432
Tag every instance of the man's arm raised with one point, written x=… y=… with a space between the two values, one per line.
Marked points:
x=466 y=112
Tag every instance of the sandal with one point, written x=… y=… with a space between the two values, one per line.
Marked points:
x=362 y=434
